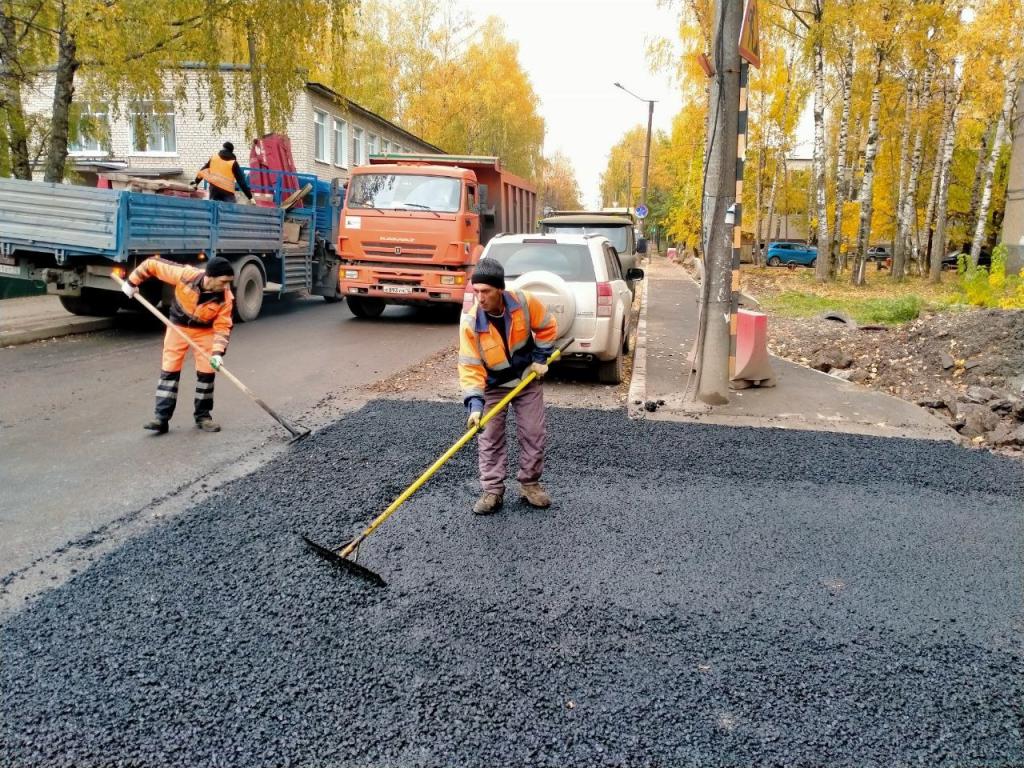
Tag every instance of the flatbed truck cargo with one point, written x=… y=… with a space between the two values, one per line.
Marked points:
x=72 y=238
x=414 y=226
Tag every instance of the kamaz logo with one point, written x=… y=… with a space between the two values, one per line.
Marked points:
x=398 y=251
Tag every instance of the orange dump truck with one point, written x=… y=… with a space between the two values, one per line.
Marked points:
x=413 y=226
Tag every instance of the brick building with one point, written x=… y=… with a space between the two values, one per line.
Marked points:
x=173 y=139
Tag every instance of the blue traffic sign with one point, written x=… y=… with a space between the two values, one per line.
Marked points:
x=641 y=211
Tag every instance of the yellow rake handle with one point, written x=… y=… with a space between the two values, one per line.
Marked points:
x=470 y=433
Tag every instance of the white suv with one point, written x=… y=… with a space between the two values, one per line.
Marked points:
x=580 y=281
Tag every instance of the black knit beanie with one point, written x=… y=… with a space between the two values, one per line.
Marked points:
x=229 y=146
x=218 y=266
x=489 y=272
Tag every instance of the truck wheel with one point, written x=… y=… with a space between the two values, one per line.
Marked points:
x=611 y=371
x=248 y=293
x=93 y=302
x=334 y=299
x=366 y=308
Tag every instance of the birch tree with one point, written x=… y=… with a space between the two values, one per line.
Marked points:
x=1005 y=115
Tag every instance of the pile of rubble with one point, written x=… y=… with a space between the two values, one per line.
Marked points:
x=965 y=367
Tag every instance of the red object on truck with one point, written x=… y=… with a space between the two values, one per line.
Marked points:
x=413 y=227
x=272 y=152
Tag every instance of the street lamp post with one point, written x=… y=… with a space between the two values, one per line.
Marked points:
x=647 y=151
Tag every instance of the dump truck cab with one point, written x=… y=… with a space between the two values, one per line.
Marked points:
x=414 y=225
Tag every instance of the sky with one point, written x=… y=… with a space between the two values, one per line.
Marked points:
x=573 y=52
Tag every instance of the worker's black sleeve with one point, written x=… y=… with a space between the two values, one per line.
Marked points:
x=240 y=178
x=198 y=177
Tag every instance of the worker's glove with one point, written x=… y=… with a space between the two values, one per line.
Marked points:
x=541 y=369
x=194 y=184
x=128 y=289
x=473 y=420
x=216 y=361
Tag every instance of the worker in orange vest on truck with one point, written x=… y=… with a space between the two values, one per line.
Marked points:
x=202 y=311
x=222 y=172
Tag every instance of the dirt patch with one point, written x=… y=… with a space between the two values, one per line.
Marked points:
x=966 y=367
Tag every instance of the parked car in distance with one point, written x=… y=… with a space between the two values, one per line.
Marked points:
x=791 y=253
x=952 y=259
x=580 y=280
x=879 y=253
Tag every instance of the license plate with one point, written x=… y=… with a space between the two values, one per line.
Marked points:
x=396 y=288
x=6 y=269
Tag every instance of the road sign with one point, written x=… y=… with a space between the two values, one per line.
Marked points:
x=641 y=211
x=750 y=35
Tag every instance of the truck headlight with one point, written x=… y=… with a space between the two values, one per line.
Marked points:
x=447 y=279
x=351 y=274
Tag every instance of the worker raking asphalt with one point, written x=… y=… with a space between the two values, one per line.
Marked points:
x=695 y=596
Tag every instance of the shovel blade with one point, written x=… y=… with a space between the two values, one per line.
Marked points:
x=345 y=564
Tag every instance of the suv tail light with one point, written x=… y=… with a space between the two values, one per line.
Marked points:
x=604 y=299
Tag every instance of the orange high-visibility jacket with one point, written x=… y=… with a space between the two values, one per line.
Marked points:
x=530 y=331
x=192 y=307
x=221 y=173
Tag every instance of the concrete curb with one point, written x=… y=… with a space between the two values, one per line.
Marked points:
x=55 y=330
x=638 y=383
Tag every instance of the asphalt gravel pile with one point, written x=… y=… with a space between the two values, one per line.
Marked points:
x=698 y=595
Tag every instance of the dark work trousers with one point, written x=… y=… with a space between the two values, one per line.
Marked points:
x=529 y=409
x=221 y=196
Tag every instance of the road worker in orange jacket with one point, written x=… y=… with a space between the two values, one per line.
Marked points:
x=222 y=172
x=202 y=309
x=504 y=336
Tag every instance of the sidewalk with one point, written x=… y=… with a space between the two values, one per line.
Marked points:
x=802 y=398
x=42 y=317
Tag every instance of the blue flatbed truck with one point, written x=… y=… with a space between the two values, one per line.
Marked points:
x=72 y=238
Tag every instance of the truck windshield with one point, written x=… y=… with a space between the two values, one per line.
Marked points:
x=405 y=192
x=617 y=236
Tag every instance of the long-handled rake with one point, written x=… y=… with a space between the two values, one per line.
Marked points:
x=296 y=431
x=340 y=556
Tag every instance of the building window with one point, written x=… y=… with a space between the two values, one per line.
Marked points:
x=358 y=147
x=152 y=127
x=385 y=147
x=320 y=136
x=373 y=144
x=90 y=125
x=340 y=147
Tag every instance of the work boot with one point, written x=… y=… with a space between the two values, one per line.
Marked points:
x=535 y=495
x=156 y=425
x=208 y=425
x=487 y=504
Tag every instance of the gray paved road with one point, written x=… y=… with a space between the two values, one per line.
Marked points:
x=73 y=455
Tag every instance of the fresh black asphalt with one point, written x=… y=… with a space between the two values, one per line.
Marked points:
x=696 y=596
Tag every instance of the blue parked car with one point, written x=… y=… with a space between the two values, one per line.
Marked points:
x=791 y=253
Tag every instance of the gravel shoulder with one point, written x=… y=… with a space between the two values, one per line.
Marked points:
x=857 y=604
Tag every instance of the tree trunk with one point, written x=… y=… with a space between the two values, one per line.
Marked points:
x=908 y=203
x=908 y=116
x=853 y=158
x=758 y=202
x=924 y=246
x=63 y=92
x=938 y=248
x=10 y=100
x=842 y=166
x=769 y=236
x=990 y=168
x=867 y=186
x=979 y=170
x=255 y=81
x=822 y=269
